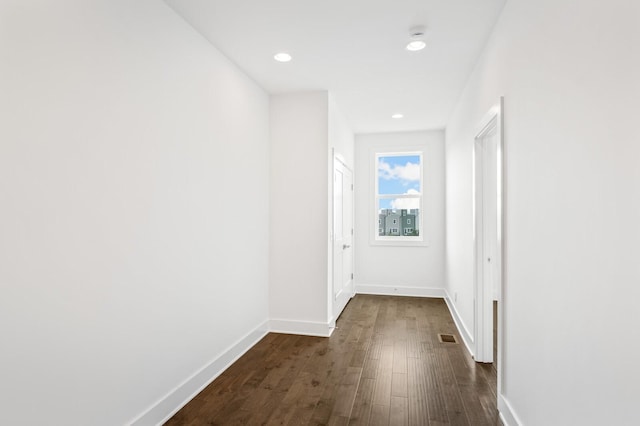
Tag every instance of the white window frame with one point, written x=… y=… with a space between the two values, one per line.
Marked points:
x=400 y=240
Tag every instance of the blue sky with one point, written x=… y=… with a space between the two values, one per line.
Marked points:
x=398 y=174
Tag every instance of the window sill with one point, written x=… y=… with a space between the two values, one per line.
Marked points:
x=397 y=242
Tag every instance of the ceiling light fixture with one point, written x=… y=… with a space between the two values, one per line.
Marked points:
x=416 y=45
x=397 y=116
x=416 y=37
x=282 y=57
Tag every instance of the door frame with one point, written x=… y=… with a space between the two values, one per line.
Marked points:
x=483 y=292
x=333 y=298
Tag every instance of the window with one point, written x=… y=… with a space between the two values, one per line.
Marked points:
x=398 y=196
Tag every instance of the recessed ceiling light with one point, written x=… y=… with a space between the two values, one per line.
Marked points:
x=416 y=37
x=282 y=57
x=397 y=116
x=416 y=45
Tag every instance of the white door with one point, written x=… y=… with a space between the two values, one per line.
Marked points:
x=342 y=236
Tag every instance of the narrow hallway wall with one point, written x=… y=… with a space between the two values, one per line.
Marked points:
x=568 y=72
x=134 y=205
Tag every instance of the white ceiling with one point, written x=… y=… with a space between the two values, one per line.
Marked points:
x=356 y=50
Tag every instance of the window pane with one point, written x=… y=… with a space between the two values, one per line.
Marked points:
x=395 y=222
x=399 y=174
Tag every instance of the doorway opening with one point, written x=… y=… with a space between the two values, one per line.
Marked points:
x=488 y=240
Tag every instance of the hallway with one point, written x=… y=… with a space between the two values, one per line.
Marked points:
x=383 y=365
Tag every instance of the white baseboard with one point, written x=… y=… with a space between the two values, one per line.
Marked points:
x=167 y=406
x=306 y=328
x=389 y=290
x=507 y=415
x=467 y=337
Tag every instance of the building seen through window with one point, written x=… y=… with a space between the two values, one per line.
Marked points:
x=388 y=220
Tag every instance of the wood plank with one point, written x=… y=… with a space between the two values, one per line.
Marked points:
x=451 y=394
x=380 y=415
x=361 y=412
x=435 y=398
x=382 y=388
x=400 y=355
x=418 y=410
x=346 y=392
x=398 y=412
x=399 y=385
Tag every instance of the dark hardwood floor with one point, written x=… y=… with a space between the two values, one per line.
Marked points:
x=383 y=365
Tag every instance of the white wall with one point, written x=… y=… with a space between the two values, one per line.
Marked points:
x=299 y=224
x=416 y=270
x=126 y=144
x=568 y=71
x=341 y=137
x=304 y=128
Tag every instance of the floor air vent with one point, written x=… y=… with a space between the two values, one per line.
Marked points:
x=447 y=338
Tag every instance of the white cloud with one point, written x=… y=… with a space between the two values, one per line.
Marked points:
x=405 y=203
x=409 y=172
